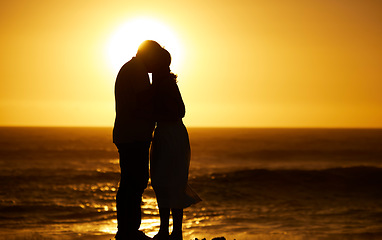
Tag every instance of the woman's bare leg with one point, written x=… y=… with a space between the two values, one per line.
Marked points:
x=164 y=214
x=177 y=217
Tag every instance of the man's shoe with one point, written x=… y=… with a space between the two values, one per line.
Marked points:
x=142 y=236
x=139 y=235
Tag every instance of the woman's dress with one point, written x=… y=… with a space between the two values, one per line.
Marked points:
x=170 y=151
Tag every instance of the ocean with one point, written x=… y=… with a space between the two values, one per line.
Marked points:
x=256 y=183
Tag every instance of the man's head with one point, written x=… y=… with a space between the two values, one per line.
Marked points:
x=149 y=51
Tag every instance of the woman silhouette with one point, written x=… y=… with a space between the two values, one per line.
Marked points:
x=170 y=151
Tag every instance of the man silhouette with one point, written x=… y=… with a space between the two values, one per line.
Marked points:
x=132 y=135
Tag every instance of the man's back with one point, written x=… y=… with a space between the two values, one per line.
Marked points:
x=131 y=84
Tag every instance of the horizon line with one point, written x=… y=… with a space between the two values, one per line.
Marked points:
x=227 y=127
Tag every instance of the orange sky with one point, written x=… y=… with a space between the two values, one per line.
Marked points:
x=244 y=63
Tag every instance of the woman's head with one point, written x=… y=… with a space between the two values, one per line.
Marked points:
x=162 y=68
x=164 y=61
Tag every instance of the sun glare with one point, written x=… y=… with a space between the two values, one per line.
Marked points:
x=125 y=40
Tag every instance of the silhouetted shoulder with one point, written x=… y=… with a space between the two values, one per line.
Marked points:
x=133 y=75
x=132 y=68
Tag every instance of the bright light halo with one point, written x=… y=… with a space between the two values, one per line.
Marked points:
x=124 y=42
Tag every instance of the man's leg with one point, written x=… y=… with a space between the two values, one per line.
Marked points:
x=134 y=163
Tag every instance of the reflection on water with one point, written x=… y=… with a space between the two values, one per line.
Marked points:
x=109 y=228
x=150 y=226
x=151 y=221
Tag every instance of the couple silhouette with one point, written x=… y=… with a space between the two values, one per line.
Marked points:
x=141 y=109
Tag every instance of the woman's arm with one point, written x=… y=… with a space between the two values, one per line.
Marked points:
x=169 y=103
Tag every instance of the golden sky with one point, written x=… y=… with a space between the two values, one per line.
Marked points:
x=241 y=63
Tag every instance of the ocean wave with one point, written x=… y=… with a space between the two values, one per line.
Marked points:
x=354 y=182
x=349 y=197
x=12 y=216
x=330 y=200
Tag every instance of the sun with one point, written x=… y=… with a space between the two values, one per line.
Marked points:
x=125 y=40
